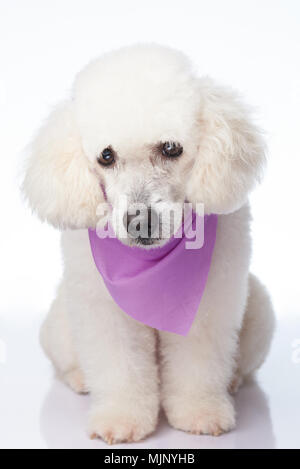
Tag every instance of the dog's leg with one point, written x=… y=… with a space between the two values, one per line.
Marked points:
x=196 y=372
x=118 y=356
x=57 y=342
x=256 y=333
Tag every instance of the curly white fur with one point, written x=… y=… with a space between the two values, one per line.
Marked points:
x=132 y=99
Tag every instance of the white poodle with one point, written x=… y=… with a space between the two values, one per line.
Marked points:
x=141 y=123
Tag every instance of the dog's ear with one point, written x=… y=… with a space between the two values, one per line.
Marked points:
x=230 y=153
x=59 y=183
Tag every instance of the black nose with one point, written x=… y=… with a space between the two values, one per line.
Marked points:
x=142 y=224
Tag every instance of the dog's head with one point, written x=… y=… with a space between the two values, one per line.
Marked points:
x=141 y=125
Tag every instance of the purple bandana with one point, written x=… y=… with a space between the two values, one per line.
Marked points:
x=160 y=287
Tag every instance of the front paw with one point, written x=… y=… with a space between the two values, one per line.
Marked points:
x=211 y=415
x=121 y=424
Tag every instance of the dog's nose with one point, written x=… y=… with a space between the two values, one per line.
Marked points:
x=142 y=224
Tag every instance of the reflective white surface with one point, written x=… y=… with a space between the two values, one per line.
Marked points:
x=37 y=411
x=251 y=45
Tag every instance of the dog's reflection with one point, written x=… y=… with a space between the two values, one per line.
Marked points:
x=64 y=414
x=254 y=421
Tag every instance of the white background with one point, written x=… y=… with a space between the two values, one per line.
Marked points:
x=252 y=45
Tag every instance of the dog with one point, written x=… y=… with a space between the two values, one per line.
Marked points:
x=141 y=123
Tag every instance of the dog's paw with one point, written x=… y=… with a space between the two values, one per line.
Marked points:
x=75 y=380
x=212 y=415
x=119 y=427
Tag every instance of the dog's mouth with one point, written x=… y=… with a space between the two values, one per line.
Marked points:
x=145 y=241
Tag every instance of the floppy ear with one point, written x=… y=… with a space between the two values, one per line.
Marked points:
x=230 y=154
x=59 y=183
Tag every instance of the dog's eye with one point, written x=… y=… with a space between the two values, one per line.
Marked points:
x=172 y=149
x=107 y=157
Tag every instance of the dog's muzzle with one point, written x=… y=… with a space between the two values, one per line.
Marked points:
x=142 y=226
